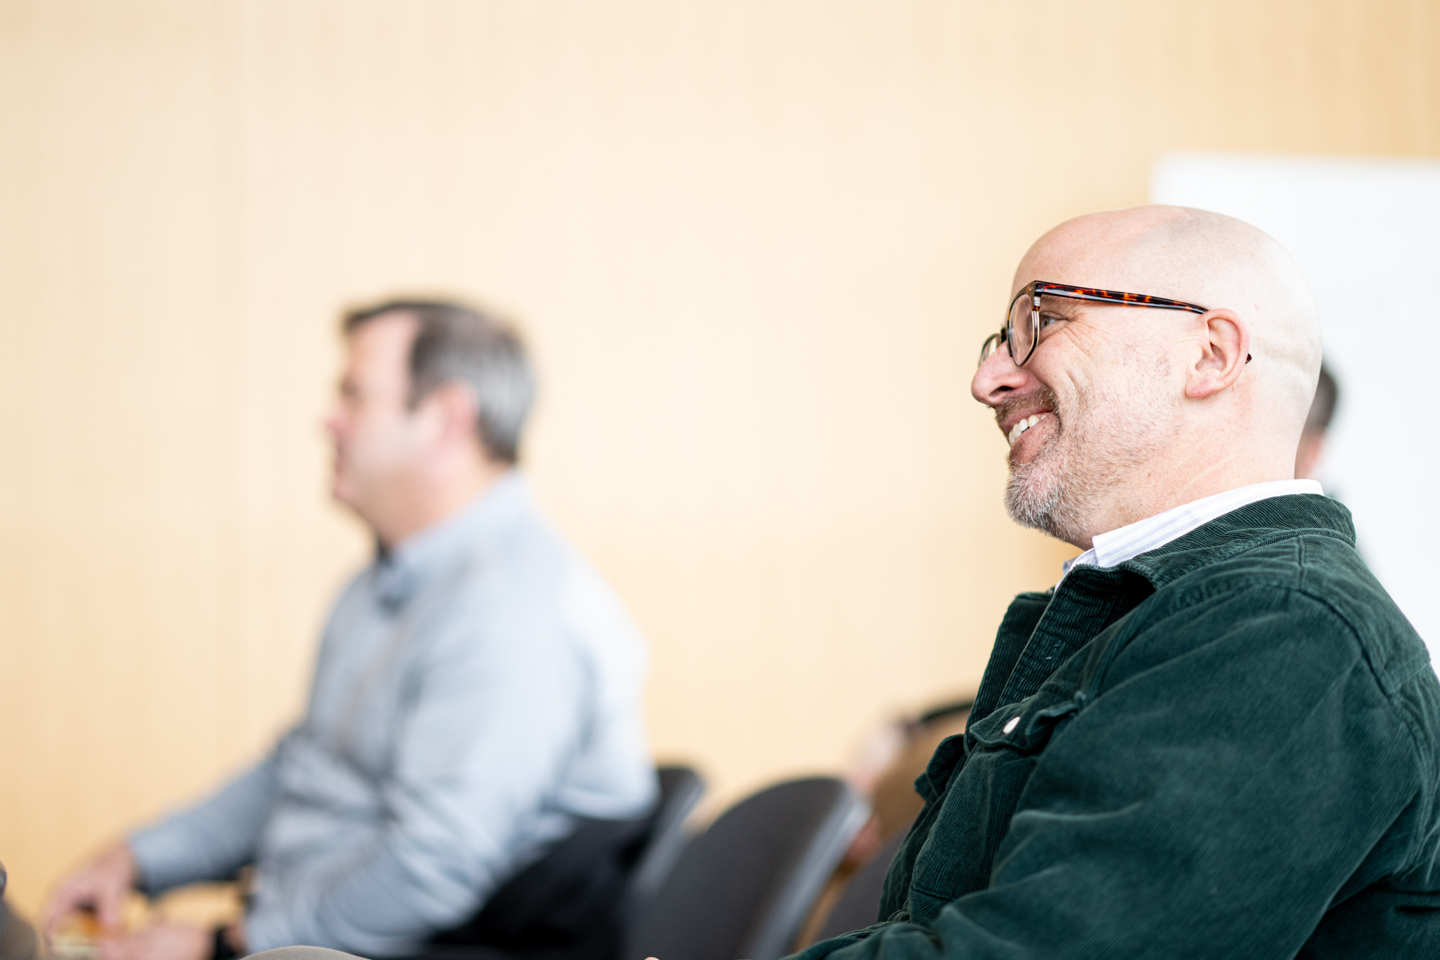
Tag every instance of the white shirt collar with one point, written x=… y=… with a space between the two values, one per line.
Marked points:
x=1125 y=543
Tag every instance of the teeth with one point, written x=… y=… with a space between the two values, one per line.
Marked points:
x=1024 y=425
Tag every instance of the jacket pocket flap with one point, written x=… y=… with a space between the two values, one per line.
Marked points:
x=1028 y=725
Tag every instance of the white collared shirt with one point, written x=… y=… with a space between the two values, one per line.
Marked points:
x=1127 y=542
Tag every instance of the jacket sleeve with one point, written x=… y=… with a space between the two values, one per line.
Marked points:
x=491 y=718
x=211 y=840
x=1235 y=770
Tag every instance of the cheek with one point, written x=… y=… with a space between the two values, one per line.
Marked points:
x=376 y=440
x=1062 y=367
x=1108 y=388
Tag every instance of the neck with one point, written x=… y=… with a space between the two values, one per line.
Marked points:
x=435 y=498
x=1178 y=481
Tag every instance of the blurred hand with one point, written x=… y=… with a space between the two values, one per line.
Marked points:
x=101 y=885
x=161 y=941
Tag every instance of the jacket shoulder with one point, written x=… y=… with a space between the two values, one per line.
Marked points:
x=1311 y=592
x=1319 y=570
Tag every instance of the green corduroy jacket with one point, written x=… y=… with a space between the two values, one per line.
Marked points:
x=1224 y=748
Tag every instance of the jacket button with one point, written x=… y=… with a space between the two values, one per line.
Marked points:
x=1011 y=725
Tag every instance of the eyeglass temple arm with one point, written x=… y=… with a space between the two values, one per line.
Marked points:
x=1109 y=297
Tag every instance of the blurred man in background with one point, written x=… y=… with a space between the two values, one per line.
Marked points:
x=477 y=688
x=1217 y=736
x=1317 y=425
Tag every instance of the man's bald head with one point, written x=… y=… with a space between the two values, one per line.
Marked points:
x=1132 y=410
x=1205 y=258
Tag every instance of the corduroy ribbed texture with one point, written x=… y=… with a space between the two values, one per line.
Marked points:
x=1226 y=747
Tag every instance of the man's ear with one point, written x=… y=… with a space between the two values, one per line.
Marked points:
x=456 y=409
x=1224 y=351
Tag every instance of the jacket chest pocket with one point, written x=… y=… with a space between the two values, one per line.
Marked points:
x=1001 y=752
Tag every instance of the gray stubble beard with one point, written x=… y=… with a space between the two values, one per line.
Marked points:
x=1053 y=504
x=1061 y=499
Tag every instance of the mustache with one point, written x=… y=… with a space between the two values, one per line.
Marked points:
x=1008 y=407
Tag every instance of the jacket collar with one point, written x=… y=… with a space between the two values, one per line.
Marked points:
x=1041 y=631
x=1250 y=526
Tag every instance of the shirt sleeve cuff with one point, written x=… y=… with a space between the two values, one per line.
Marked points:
x=163 y=858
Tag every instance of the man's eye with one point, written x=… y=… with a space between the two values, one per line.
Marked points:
x=1048 y=318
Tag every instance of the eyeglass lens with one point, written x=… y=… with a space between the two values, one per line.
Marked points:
x=1026 y=321
x=1020 y=328
x=991 y=344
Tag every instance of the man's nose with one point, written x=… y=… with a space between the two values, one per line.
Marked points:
x=333 y=423
x=997 y=377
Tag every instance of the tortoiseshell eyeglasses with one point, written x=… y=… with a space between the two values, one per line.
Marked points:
x=1024 y=320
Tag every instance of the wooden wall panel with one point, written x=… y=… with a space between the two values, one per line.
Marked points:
x=755 y=245
x=112 y=486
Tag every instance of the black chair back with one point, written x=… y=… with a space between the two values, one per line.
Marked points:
x=680 y=789
x=17 y=939
x=741 y=889
x=574 y=903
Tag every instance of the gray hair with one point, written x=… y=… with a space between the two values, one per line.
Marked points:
x=459 y=342
x=1322 y=408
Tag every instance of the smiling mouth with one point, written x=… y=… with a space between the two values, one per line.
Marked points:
x=1022 y=425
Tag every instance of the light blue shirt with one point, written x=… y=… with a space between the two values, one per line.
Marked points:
x=476 y=690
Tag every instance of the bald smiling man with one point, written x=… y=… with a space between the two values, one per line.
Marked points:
x=1216 y=735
